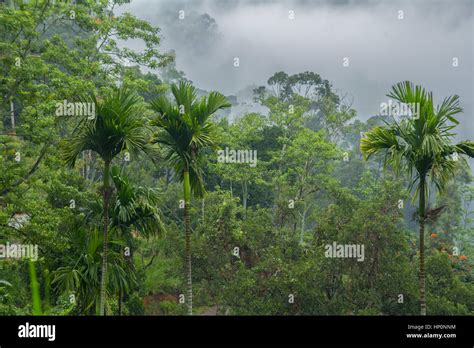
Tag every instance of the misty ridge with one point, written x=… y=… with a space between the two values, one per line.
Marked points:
x=381 y=47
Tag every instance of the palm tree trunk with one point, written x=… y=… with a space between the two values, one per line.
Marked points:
x=103 y=280
x=187 y=225
x=422 y=245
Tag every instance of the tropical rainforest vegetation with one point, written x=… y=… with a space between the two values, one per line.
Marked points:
x=134 y=214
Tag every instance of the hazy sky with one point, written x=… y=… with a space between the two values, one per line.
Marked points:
x=381 y=48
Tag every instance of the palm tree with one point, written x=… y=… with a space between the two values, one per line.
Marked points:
x=420 y=144
x=185 y=130
x=82 y=275
x=133 y=208
x=118 y=126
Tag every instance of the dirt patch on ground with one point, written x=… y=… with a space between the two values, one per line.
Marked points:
x=153 y=303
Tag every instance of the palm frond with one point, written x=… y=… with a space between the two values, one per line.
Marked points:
x=466 y=148
x=119 y=125
x=421 y=145
x=185 y=129
x=135 y=208
x=378 y=139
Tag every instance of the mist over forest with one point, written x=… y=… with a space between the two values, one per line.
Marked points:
x=205 y=157
x=382 y=48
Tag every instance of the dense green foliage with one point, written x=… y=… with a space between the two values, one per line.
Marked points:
x=108 y=199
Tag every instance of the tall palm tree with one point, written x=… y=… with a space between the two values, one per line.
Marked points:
x=118 y=126
x=185 y=129
x=420 y=144
x=132 y=208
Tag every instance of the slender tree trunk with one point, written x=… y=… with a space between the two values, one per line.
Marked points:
x=277 y=196
x=93 y=164
x=303 y=222
x=83 y=169
x=422 y=245
x=244 y=197
x=12 y=117
x=103 y=280
x=88 y=164
x=187 y=225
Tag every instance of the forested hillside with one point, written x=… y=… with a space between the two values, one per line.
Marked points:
x=127 y=189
